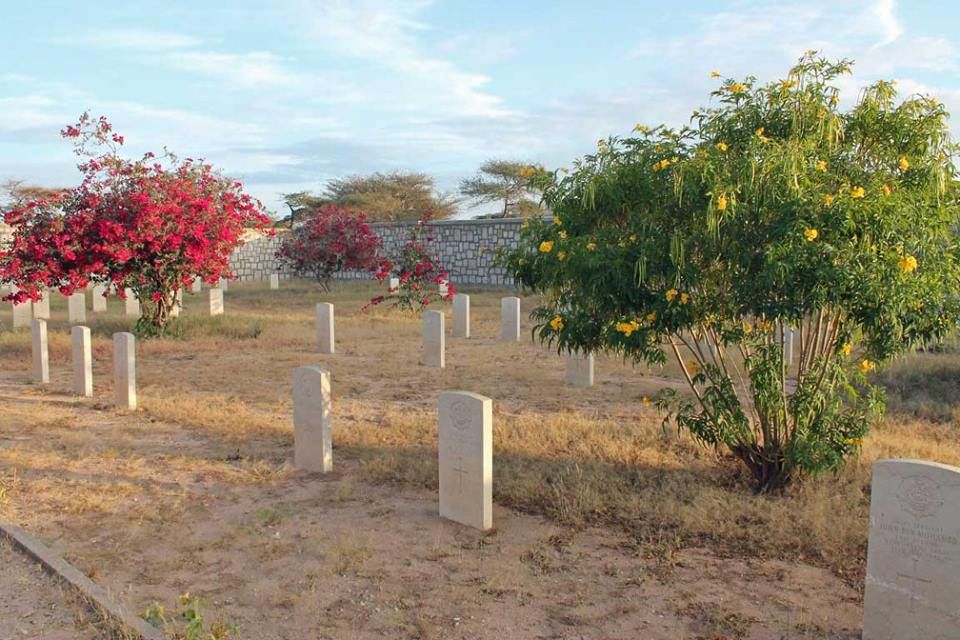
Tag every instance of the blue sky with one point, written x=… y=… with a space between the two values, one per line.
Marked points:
x=286 y=94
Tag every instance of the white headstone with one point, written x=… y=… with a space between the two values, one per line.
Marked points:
x=41 y=308
x=22 y=314
x=274 y=281
x=325 y=328
x=461 y=315
x=197 y=285
x=41 y=361
x=466 y=458
x=394 y=284
x=580 y=369
x=913 y=553
x=99 y=298
x=434 y=341
x=443 y=288
x=77 y=307
x=131 y=306
x=312 y=442
x=223 y=284
x=124 y=370
x=510 y=319
x=216 y=302
x=82 y=361
x=177 y=304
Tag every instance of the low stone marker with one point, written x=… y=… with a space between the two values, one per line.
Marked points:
x=216 y=302
x=124 y=370
x=223 y=284
x=22 y=314
x=394 y=284
x=82 y=361
x=131 y=306
x=466 y=458
x=443 y=287
x=99 y=298
x=434 y=341
x=41 y=360
x=77 y=307
x=580 y=369
x=312 y=442
x=913 y=553
x=197 y=285
x=325 y=328
x=274 y=281
x=461 y=315
x=510 y=319
x=41 y=308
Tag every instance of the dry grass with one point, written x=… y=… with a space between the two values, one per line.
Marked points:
x=580 y=456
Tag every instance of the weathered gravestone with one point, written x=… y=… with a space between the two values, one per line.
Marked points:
x=216 y=302
x=580 y=369
x=22 y=314
x=99 y=299
x=434 y=342
x=82 y=361
x=913 y=554
x=41 y=308
x=326 y=331
x=394 y=284
x=510 y=319
x=41 y=361
x=77 y=307
x=197 y=285
x=124 y=370
x=443 y=287
x=312 y=442
x=461 y=315
x=466 y=458
x=274 y=281
x=131 y=306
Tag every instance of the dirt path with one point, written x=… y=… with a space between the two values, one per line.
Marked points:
x=34 y=606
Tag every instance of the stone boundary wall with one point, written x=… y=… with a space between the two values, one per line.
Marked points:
x=466 y=248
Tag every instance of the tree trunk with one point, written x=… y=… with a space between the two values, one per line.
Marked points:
x=769 y=466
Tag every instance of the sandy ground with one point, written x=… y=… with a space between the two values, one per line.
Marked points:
x=34 y=606
x=286 y=555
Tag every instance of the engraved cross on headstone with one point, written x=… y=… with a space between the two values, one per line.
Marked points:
x=460 y=471
x=916 y=579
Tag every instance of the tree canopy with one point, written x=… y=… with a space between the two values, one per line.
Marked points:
x=507 y=182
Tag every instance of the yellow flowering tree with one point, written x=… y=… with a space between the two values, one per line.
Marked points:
x=775 y=213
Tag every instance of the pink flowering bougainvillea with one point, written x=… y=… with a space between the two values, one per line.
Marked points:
x=332 y=239
x=418 y=272
x=148 y=225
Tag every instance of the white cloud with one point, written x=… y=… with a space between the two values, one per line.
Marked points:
x=130 y=38
x=890 y=28
x=245 y=70
x=386 y=32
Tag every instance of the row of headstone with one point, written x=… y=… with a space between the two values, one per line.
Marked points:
x=465 y=444
x=124 y=363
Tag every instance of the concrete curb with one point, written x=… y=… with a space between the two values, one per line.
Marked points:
x=87 y=588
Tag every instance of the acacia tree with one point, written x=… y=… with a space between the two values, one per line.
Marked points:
x=331 y=239
x=505 y=181
x=150 y=225
x=775 y=211
x=391 y=197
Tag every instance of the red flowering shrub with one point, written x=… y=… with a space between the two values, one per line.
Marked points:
x=144 y=225
x=420 y=275
x=332 y=239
